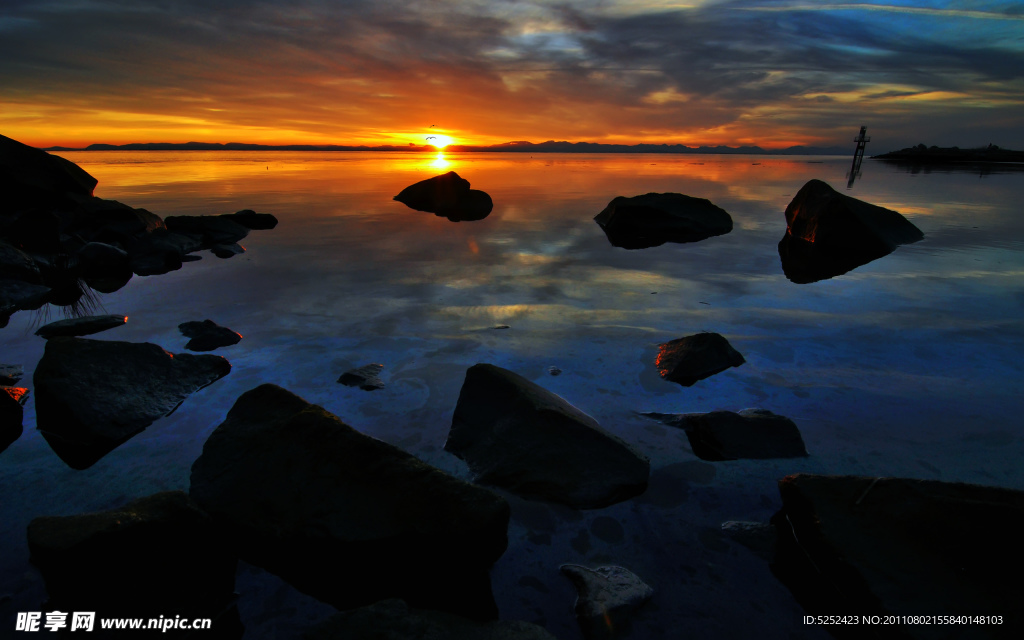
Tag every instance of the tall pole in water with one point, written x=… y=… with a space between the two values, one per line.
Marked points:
x=858 y=155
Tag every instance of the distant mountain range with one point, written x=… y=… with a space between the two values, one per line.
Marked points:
x=550 y=146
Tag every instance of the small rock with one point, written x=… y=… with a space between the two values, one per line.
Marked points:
x=207 y=335
x=447 y=195
x=555 y=371
x=607 y=596
x=687 y=360
x=501 y=326
x=656 y=218
x=364 y=377
x=83 y=326
x=210 y=229
x=252 y=220
x=759 y=537
x=10 y=374
x=227 y=250
x=755 y=434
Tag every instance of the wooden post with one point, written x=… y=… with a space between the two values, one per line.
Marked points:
x=858 y=155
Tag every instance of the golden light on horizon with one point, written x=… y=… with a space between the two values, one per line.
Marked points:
x=438 y=140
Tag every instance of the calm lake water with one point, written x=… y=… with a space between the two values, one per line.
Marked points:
x=911 y=365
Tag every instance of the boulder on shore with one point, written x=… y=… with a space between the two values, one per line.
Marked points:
x=207 y=335
x=447 y=195
x=92 y=395
x=84 y=326
x=653 y=219
x=896 y=546
x=606 y=598
x=516 y=435
x=344 y=517
x=754 y=434
x=692 y=358
x=158 y=555
x=393 y=619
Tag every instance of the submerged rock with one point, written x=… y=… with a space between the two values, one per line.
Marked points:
x=344 y=517
x=687 y=360
x=92 y=395
x=210 y=230
x=831 y=233
x=393 y=620
x=653 y=219
x=749 y=434
x=895 y=546
x=607 y=596
x=11 y=414
x=447 y=195
x=207 y=335
x=516 y=435
x=158 y=555
x=364 y=377
x=83 y=326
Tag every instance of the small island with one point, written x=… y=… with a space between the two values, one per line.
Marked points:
x=922 y=154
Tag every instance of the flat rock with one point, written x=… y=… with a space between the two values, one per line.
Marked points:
x=653 y=219
x=820 y=215
x=879 y=546
x=687 y=360
x=158 y=555
x=364 y=377
x=516 y=435
x=393 y=620
x=10 y=374
x=212 y=229
x=252 y=220
x=12 y=413
x=607 y=596
x=207 y=335
x=84 y=326
x=92 y=395
x=447 y=195
x=344 y=517
x=726 y=435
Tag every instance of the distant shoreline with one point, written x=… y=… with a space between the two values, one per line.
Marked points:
x=517 y=147
x=948 y=155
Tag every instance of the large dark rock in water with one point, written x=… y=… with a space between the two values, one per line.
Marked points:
x=92 y=395
x=84 y=326
x=394 y=620
x=519 y=436
x=894 y=546
x=750 y=434
x=159 y=555
x=692 y=358
x=344 y=517
x=447 y=195
x=656 y=218
x=835 y=233
x=252 y=220
x=29 y=176
x=207 y=335
x=12 y=413
x=606 y=598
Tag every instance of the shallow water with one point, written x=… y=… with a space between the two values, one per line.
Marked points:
x=910 y=365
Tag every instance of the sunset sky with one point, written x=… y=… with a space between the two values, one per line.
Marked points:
x=775 y=73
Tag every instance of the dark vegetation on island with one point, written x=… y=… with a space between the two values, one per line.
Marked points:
x=402 y=548
x=941 y=155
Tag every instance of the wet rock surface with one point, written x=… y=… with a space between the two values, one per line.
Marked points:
x=92 y=395
x=344 y=517
x=365 y=377
x=158 y=555
x=84 y=326
x=607 y=596
x=727 y=435
x=898 y=546
x=692 y=358
x=12 y=400
x=516 y=435
x=653 y=219
x=447 y=195
x=393 y=620
x=207 y=335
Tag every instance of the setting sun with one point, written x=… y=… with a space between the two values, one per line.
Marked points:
x=438 y=140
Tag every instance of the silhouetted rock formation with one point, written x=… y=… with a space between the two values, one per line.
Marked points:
x=725 y=435
x=656 y=218
x=252 y=220
x=11 y=414
x=447 y=195
x=924 y=155
x=518 y=436
x=30 y=177
x=364 y=377
x=207 y=335
x=155 y=556
x=92 y=395
x=16 y=295
x=393 y=620
x=687 y=360
x=879 y=546
x=84 y=326
x=607 y=596
x=829 y=233
x=344 y=517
